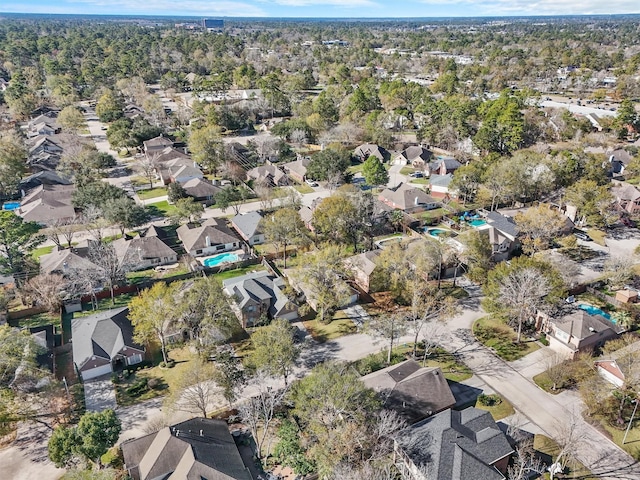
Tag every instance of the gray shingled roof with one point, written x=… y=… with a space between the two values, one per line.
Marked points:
x=371 y=149
x=415 y=152
x=259 y=286
x=450 y=163
x=456 y=445
x=195 y=238
x=405 y=196
x=141 y=248
x=503 y=223
x=65 y=261
x=199 y=188
x=582 y=325
x=196 y=449
x=247 y=224
x=47 y=203
x=366 y=262
x=440 y=180
x=414 y=392
x=102 y=334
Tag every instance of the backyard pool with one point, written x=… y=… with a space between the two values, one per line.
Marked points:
x=591 y=310
x=11 y=206
x=220 y=259
x=436 y=232
x=478 y=222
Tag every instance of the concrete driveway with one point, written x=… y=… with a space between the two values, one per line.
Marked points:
x=99 y=394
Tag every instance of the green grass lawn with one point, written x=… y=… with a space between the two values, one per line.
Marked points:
x=167 y=378
x=499 y=409
x=500 y=337
x=544 y=382
x=236 y=272
x=353 y=169
x=161 y=209
x=406 y=170
x=38 y=252
x=152 y=193
x=549 y=450
x=304 y=188
x=40 y=319
x=597 y=235
x=632 y=443
x=419 y=181
x=453 y=370
x=106 y=304
x=340 y=325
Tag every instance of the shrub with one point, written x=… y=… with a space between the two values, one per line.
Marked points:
x=138 y=388
x=153 y=383
x=543 y=340
x=489 y=400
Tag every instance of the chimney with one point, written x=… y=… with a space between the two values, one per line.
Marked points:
x=201 y=433
x=416 y=201
x=207 y=241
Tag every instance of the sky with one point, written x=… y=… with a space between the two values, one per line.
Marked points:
x=323 y=8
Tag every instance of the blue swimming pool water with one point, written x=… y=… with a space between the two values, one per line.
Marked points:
x=219 y=259
x=436 y=232
x=477 y=223
x=11 y=206
x=591 y=310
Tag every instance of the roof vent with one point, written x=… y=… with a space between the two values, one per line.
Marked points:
x=591 y=329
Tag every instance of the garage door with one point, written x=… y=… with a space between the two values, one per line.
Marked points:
x=96 y=372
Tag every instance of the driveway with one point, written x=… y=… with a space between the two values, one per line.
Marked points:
x=27 y=457
x=99 y=394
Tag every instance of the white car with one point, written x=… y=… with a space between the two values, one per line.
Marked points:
x=311 y=183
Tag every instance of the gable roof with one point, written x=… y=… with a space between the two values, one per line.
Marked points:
x=416 y=152
x=506 y=225
x=449 y=163
x=199 y=188
x=267 y=172
x=247 y=224
x=47 y=203
x=184 y=171
x=405 y=196
x=158 y=142
x=141 y=248
x=625 y=191
x=414 y=392
x=102 y=334
x=365 y=262
x=195 y=237
x=195 y=449
x=298 y=166
x=581 y=324
x=259 y=286
x=65 y=261
x=440 y=180
x=621 y=155
x=371 y=149
x=456 y=445
x=41 y=140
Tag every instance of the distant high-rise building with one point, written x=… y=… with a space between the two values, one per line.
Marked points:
x=210 y=24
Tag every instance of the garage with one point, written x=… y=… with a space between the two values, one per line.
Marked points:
x=96 y=372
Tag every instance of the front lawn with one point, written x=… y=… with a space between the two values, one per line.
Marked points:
x=340 y=325
x=38 y=252
x=453 y=370
x=501 y=338
x=597 y=235
x=549 y=450
x=497 y=406
x=151 y=382
x=304 y=188
x=161 y=209
x=633 y=438
x=236 y=272
x=152 y=193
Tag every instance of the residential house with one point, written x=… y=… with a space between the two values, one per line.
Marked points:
x=619 y=160
x=611 y=372
x=141 y=253
x=47 y=204
x=268 y=175
x=414 y=392
x=248 y=226
x=132 y=111
x=259 y=294
x=444 y=165
x=211 y=237
x=182 y=173
x=43 y=127
x=503 y=233
x=68 y=261
x=408 y=198
x=297 y=281
x=103 y=342
x=439 y=185
x=417 y=156
x=44 y=144
x=577 y=331
x=197 y=449
x=365 y=270
x=167 y=154
x=367 y=150
x=297 y=170
x=627 y=197
x=157 y=144
x=201 y=190
x=453 y=445
x=44 y=177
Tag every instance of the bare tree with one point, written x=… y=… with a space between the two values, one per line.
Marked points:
x=46 y=290
x=525 y=462
x=433 y=335
x=95 y=222
x=618 y=270
x=523 y=291
x=65 y=228
x=388 y=327
x=195 y=389
x=111 y=267
x=568 y=437
x=258 y=412
x=557 y=370
x=147 y=166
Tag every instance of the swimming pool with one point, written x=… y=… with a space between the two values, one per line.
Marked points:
x=591 y=310
x=477 y=223
x=220 y=259
x=436 y=232
x=11 y=206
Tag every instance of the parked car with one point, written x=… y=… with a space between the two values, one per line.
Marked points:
x=582 y=235
x=416 y=175
x=311 y=183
